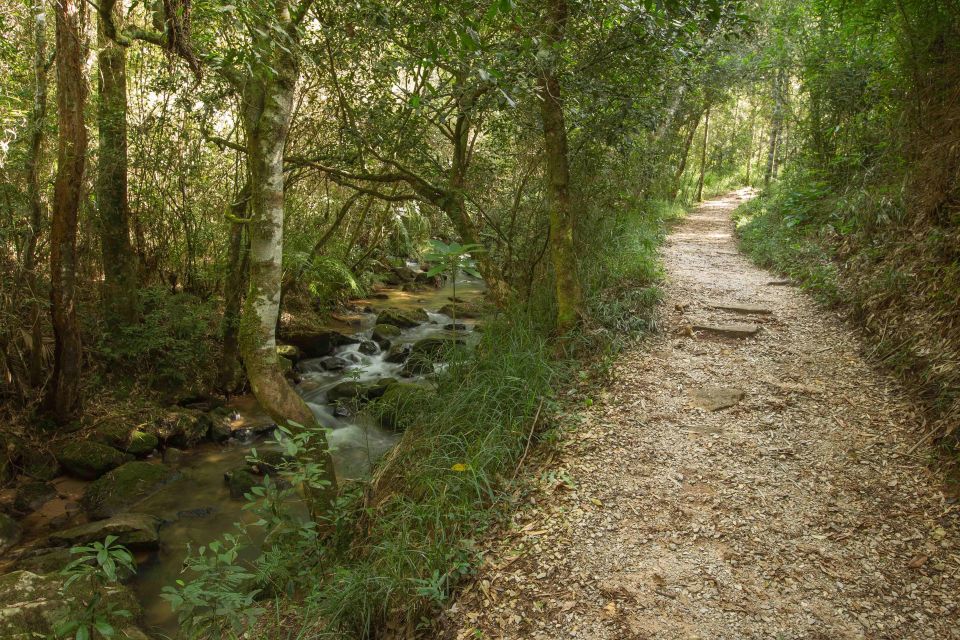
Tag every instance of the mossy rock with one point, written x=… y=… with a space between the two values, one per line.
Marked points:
x=32 y=496
x=12 y=449
x=88 y=460
x=32 y=605
x=403 y=318
x=359 y=391
x=397 y=408
x=126 y=438
x=133 y=530
x=435 y=347
x=123 y=487
x=220 y=425
x=383 y=334
x=184 y=427
x=473 y=309
x=45 y=560
x=288 y=351
x=398 y=354
x=316 y=343
x=9 y=532
x=40 y=464
x=240 y=481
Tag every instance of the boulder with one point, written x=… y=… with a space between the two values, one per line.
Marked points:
x=184 y=427
x=369 y=347
x=32 y=605
x=396 y=409
x=133 y=530
x=473 y=309
x=359 y=391
x=384 y=333
x=317 y=343
x=45 y=560
x=288 y=351
x=240 y=481
x=403 y=318
x=435 y=347
x=126 y=438
x=88 y=460
x=398 y=353
x=172 y=456
x=32 y=496
x=9 y=532
x=455 y=327
x=40 y=464
x=221 y=425
x=123 y=487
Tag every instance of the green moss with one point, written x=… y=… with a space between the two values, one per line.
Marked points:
x=89 y=460
x=123 y=487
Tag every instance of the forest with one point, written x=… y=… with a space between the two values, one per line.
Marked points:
x=303 y=305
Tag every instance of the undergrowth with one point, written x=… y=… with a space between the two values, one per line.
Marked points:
x=896 y=277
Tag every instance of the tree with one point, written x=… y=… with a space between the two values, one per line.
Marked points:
x=559 y=197
x=119 y=263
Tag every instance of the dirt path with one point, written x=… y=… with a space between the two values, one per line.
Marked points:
x=803 y=511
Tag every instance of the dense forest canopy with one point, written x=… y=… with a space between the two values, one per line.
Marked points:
x=193 y=193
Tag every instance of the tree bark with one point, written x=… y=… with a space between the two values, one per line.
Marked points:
x=34 y=161
x=703 y=154
x=237 y=266
x=559 y=200
x=687 y=143
x=267 y=104
x=119 y=262
x=776 y=125
x=63 y=397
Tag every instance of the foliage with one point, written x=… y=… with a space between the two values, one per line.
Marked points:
x=97 y=567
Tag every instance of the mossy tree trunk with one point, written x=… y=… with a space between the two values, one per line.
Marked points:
x=33 y=164
x=267 y=106
x=119 y=261
x=559 y=198
x=237 y=268
x=703 y=154
x=63 y=397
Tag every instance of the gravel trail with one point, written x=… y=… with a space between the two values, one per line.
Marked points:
x=804 y=509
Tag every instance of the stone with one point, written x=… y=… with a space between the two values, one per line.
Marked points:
x=184 y=427
x=286 y=365
x=32 y=605
x=727 y=330
x=359 y=391
x=45 y=560
x=240 y=481
x=126 y=438
x=396 y=409
x=133 y=530
x=40 y=464
x=383 y=334
x=288 y=351
x=334 y=363
x=221 y=425
x=748 y=309
x=88 y=460
x=780 y=283
x=32 y=496
x=11 y=452
x=434 y=347
x=715 y=398
x=123 y=487
x=9 y=532
x=398 y=353
x=317 y=343
x=403 y=318
x=172 y=456
x=474 y=309
x=369 y=347
x=455 y=327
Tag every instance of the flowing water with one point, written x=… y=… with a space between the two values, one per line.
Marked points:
x=198 y=507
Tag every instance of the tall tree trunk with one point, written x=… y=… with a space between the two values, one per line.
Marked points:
x=703 y=154
x=776 y=125
x=267 y=103
x=559 y=199
x=119 y=261
x=687 y=143
x=753 y=124
x=64 y=393
x=455 y=206
x=237 y=266
x=34 y=160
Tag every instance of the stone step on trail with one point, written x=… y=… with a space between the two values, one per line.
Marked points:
x=746 y=309
x=726 y=330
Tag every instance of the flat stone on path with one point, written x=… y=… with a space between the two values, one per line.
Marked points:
x=727 y=330
x=716 y=398
x=736 y=307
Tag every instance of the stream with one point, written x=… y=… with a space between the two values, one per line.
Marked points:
x=197 y=507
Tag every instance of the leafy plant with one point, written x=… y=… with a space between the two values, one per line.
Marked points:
x=97 y=567
x=451 y=259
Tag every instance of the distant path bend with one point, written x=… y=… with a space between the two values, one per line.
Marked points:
x=801 y=510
